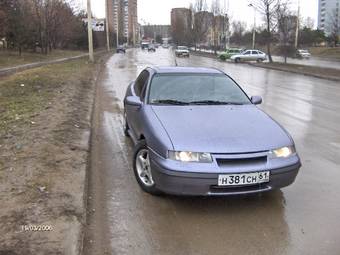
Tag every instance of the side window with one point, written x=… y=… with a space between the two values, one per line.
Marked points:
x=254 y=52
x=140 y=82
x=247 y=52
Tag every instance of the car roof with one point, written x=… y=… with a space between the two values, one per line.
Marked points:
x=182 y=69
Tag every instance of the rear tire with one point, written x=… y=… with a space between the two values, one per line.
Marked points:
x=142 y=169
x=259 y=60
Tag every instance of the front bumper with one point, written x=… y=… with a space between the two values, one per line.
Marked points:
x=182 y=53
x=206 y=184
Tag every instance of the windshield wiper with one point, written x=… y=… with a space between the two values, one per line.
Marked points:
x=213 y=102
x=170 y=101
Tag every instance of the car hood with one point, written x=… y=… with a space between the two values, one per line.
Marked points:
x=221 y=129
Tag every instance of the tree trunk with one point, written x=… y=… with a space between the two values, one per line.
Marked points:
x=268 y=35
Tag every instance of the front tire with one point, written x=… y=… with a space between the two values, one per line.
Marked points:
x=237 y=60
x=125 y=126
x=142 y=169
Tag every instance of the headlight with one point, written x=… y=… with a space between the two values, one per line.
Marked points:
x=283 y=152
x=187 y=156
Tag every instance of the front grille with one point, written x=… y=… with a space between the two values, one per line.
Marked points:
x=238 y=189
x=237 y=162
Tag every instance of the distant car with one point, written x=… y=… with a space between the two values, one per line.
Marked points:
x=229 y=52
x=144 y=45
x=182 y=51
x=249 y=55
x=165 y=46
x=120 y=49
x=196 y=132
x=303 y=54
x=151 y=47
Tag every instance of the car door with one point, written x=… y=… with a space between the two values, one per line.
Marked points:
x=254 y=55
x=247 y=55
x=134 y=113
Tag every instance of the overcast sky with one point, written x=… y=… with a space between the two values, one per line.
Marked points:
x=158 y=11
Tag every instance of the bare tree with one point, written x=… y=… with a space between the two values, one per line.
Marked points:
x=308 y=23
x=216 y=11
x=239 y=28
x=286 y=23
x=45 y=23
x=19 y=28
x=201 y=22
x=268 y=9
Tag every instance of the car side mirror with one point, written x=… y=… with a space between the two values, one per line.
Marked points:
x=256 y=99
x=133 y=100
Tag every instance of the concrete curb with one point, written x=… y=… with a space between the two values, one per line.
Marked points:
x=81 y=232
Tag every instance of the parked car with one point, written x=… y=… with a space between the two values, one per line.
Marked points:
x=151 y=47
x=229 y=52
x=249 y=55
x=165 y=46
x=196 y=132
x=120 y=49
x=182 y=51
x=303 y=54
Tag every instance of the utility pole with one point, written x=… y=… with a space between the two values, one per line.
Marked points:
x=89 y=29
x=117 y=28
x=107 y=25
x=254 y=28
x=297 y=26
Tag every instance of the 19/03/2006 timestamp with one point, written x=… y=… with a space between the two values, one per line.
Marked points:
x=36 y=228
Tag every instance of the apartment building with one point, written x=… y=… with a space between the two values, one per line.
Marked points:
x=122 y=16
x=329 y=15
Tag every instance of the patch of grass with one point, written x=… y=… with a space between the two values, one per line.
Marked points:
x=11 y=58
x=25 y=94
x=327 y=52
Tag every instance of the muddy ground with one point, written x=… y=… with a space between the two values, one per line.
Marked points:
x=45 y=118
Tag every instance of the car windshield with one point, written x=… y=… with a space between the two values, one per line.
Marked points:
x=195 y=89
x=182 y=48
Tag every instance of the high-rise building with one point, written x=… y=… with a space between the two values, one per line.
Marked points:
x=123 y=18
x=329 y=15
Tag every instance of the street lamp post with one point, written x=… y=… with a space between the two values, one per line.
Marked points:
x=254 y=28
x=89 y=28
x=107 y=25
x=117 y=27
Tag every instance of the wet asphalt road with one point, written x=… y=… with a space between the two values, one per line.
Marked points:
x=301 y=219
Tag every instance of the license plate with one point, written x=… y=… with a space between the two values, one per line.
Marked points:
x=243 y=179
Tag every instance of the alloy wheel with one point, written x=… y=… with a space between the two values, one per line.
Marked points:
x=143 y=168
